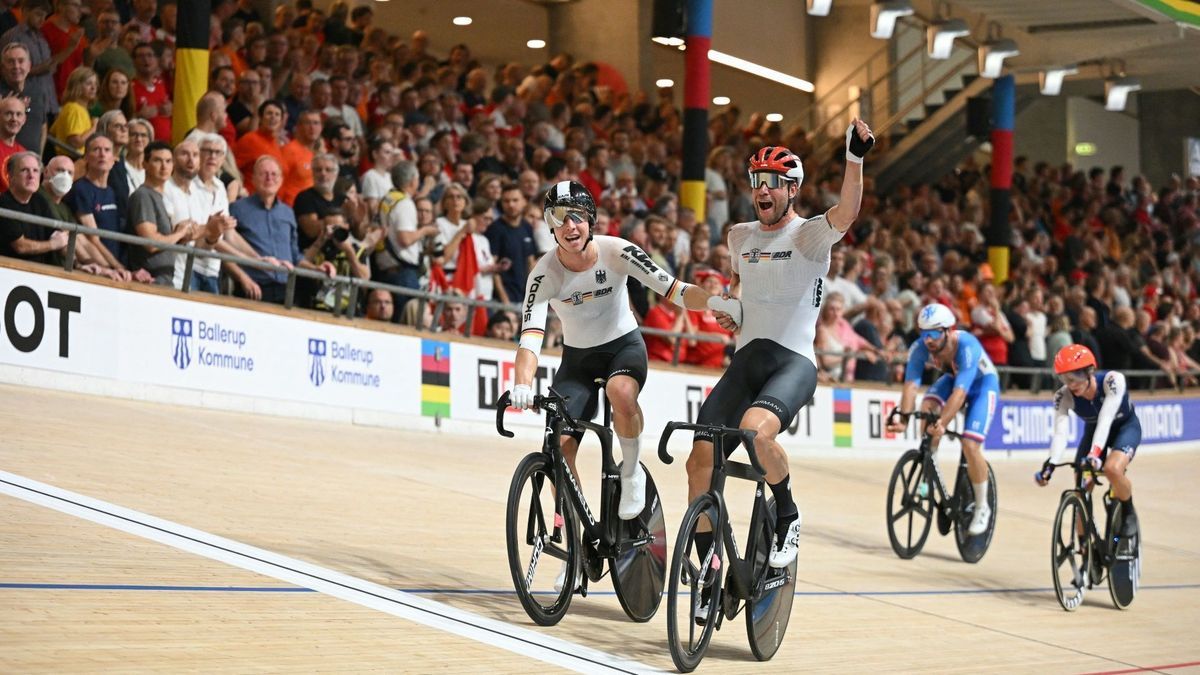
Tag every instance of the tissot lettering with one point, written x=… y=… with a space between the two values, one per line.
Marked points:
x=27 y=338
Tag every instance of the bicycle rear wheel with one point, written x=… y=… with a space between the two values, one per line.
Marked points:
x=909 y=514
x=639 y=570
x=1126 y=568
x=536 y=539
x=972 y=548
x=695 y=576
x=1070 y=551
x=770 y=604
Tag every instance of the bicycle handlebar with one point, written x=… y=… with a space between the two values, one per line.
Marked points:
x=928 y=416
x=538 y=402
x=746 y=436
x=1095 y=474
x=501 y=406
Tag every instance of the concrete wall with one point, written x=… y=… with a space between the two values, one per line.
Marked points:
x=1041 y=131
x=1166 y=119
x=1114 y=134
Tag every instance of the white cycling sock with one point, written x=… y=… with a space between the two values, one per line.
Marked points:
x=629 y=456
x=980 y=494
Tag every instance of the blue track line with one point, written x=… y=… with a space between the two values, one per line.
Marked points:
x=447 y=591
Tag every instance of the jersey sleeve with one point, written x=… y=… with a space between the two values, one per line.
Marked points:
x=1114 y=393
x=918 y=354
x=1063 y=402
x=539 y=288
x=967 y=361
x=816 y=237
x=737 y=237
x=623 y=255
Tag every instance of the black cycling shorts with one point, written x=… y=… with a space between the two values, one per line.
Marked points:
x=763 y=374
x=576 y=376
x=1123 y=436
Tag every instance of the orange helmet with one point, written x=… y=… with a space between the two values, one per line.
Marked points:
x=778 y=159
x=1073 y=357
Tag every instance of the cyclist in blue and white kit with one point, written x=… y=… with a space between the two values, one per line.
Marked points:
x=1101 y=399
x=970 y=383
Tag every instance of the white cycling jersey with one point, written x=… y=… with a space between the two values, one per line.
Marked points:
x=593 y=305
x=781 y=280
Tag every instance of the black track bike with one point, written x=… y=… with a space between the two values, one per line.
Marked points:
x=546 y=507
x=916 y=492
x=716 y=577
x=1080 y=557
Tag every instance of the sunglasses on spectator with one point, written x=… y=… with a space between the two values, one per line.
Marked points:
x=772 y=179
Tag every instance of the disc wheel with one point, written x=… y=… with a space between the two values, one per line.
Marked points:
x=540 y=532
x=972 y=548
x=1126 y=570
x=639 y=569
x=695 y=576
x=909 y=514
x=1070 y=551
x=770 y=604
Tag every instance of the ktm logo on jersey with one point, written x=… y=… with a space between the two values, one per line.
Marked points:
x=754 y=255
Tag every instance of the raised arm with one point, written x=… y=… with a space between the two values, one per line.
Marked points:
x=859 y=141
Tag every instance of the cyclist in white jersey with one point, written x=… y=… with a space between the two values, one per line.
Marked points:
x=584 y=280
x=778 y=266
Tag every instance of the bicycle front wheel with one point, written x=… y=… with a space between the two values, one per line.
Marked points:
x=770 y=604
x=1070 y=551
x=694 y=586
x=909 y=513
x=639 y=569
x=540 y=531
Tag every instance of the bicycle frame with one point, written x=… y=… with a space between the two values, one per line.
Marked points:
x=944 y=496
x=1096 y=543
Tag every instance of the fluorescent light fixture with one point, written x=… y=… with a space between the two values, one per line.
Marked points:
x=939 y=37
x=1050 y=80
x=664 y=83
x=461 y=21
x=774 y=117
x=762 y=71
x=749 y=67
x=992 y=55
x=1116 y=91
x=819 y=7
x=668 y=41
x=720 y=100
x=535 y=44
x=884 y=15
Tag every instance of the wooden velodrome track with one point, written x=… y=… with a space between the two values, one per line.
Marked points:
x=424 y=513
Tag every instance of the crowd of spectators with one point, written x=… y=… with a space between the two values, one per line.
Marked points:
x=326 y=142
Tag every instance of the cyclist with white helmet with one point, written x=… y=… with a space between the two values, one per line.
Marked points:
x=970 y=382
x=584 y=280
x=779 y=263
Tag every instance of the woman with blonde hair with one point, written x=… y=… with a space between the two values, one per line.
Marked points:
x=74 y=125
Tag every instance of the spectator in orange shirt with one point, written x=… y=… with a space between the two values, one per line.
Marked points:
x=298 y=156
x=67 y=42
x=262 y=141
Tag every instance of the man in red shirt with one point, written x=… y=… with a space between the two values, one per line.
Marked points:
x=63 y=34
x=262 y=141
x=666 y=316
x=701 y=353
x=595 y=176
x=12 y=118
x=298 y=156
x=151 y=96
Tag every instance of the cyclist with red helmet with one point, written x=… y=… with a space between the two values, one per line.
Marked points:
x=1111 y=432
x=779 y=262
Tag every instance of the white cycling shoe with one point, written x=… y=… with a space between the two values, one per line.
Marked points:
x=979 y=523
x=783 y=556
x=633 y=495
x=561 y=579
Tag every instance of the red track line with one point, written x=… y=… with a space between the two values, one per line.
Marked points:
x=1172 y=666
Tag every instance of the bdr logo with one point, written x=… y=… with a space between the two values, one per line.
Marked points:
x=32 y=339
x=496 y=377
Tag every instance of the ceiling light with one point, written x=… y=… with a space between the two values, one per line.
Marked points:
x=1116 y=91
x=720 y=100
x=461 y=21
x=884 y=15
x=535 y=44
x=1050 y=80
x=664 y=83
x=819 y=7
x=940 y=35
x=668 y=41
x=992 y=55
x=774 y=117
x=762 y=71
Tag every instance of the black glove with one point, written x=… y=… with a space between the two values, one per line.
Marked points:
x=1047 y=470
x=857 y=148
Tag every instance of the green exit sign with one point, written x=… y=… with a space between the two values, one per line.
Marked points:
x=1085 y=149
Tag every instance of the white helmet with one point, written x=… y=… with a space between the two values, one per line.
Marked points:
x=936 y=316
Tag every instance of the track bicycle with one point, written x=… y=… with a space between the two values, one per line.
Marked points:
x=698 y=599
x=1080 y=557
x=916 y=492
x=546 y=508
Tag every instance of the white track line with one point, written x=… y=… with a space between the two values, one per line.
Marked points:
x=352 y=589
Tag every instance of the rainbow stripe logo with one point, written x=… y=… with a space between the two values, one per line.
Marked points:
x=435 y=378
x=843 y=432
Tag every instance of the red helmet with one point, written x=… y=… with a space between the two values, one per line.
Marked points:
x=779 y=160
x=1073 y=357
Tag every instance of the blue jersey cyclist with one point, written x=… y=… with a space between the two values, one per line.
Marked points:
x=970 y=383
x=1111 y=433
